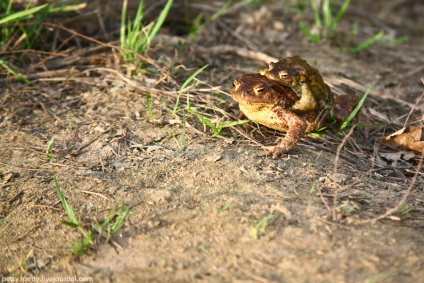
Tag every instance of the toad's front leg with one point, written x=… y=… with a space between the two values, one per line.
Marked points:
x=307 y=100
x=287 y=121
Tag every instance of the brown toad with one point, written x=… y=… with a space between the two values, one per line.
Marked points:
x=306 y=81
x=269 y=103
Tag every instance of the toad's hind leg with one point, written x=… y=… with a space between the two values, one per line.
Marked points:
x=312 y=121
x=322 y=115
x=327 y=106
x=296 y=127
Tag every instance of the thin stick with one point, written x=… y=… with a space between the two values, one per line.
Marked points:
x=221 y=49
x=96 y=194
x=399 y=204
x=336 y=163
x=145 y=59
x=243 y=52
x=321 y=197
x=413 y=108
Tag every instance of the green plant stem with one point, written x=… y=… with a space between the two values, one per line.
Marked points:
x=355 y=111
x=183 y=87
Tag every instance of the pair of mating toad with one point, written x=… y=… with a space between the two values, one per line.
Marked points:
x=289 y=96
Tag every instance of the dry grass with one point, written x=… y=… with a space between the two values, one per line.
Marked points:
x=113 y=144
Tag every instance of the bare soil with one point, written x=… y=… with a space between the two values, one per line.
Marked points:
x=196 y=200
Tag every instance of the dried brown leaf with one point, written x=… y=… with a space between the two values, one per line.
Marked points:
x=408 y=138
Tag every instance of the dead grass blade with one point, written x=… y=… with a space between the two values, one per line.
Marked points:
x=110 y=45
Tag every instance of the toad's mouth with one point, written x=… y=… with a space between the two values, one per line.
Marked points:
x=254 y=105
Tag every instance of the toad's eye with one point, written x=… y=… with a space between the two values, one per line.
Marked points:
x=283 y=75
x=259 y=90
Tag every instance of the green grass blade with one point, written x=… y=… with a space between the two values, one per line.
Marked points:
x=355 y=30
x=149 y=109
x=88 y=239
x=307 y=31
x=367 y=43
x=184 y=85
x=326 y=11
x=355 y=111
x=316 y=135
x=70 y=224
x=261 y=226
x=66 y=206
x=210 y=124
x=22 y=14
x=235 y=123
x=122 y=216
x=7 y=6
x=65 y=9
x=11 y=71
x=49 y=148
x=341 y=12
x=316 y=13
x=123 y=25
x=184 y=131
x=196 y=27
x=134 y=32
x=219 y=12
x=160 y=20
x=179 y=145
x=396 y=41
x=313 y=188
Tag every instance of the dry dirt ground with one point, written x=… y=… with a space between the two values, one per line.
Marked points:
x=197 y=200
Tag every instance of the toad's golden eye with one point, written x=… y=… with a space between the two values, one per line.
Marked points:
x=283 y=75
x=259 y=90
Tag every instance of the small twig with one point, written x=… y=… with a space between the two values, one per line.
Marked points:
x=116 y=245
x=399 y=204
x=322 y=198
x=145 y=59
x=243 y=52
x=373 y=157
x=360 y=88
x=24 y=168
x=77 y=150
x=65 y=73
x=248 y=43
x=249 y=138
x=96 y=194
x=336 y=163
x=47 y=206
x=220 y=49
x=413 y=108
x=26 y=51
x=20 y=193
x=133 y=84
